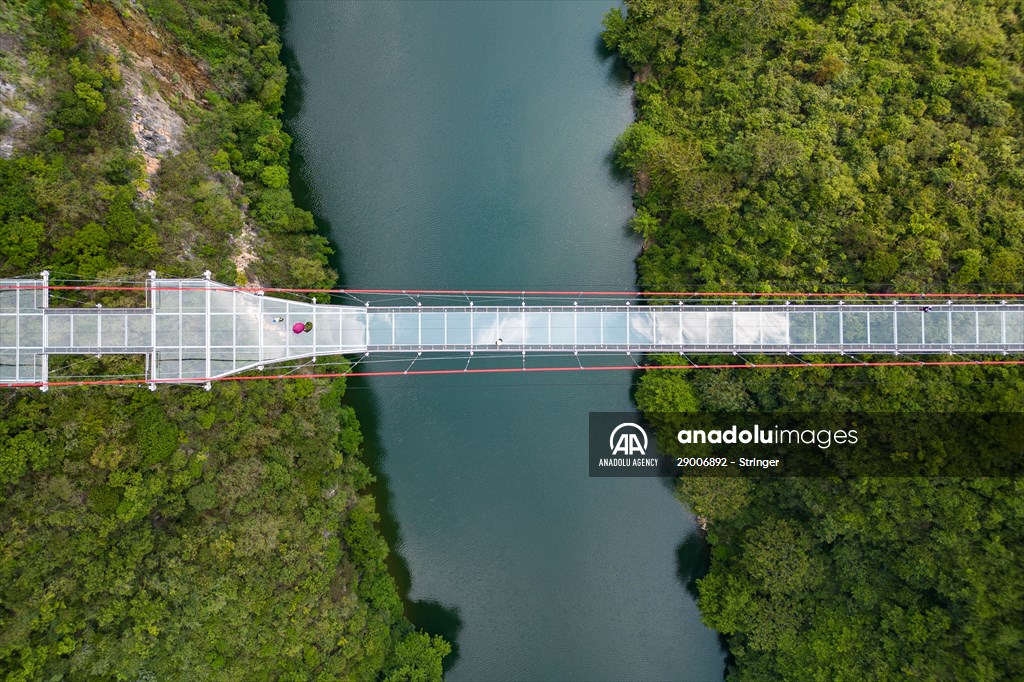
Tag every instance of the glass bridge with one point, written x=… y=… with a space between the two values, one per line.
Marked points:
x=194 y=330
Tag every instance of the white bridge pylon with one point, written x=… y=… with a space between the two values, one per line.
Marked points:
x=197 y=329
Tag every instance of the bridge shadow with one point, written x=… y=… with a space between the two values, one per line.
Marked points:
x=427 y=615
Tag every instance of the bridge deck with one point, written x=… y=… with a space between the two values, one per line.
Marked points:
x=197 y=329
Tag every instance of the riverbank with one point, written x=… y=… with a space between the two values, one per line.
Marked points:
x=866 y=146
x=211 y=535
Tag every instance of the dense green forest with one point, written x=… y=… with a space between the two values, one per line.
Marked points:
x=851 y=144
x=179 y=534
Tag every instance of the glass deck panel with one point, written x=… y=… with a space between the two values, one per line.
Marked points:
x=31 y=331
x=908 y=327
x=936 y=327
x=537 y=329
x=432 y=328
x=222 y=338
x=275 y=329
x=8 y=299
x=990 y=327
x=964 y=328
x=193 y=330
x=588 y=328
x=300 y=312
x=222 y=330
x=166 y=301
x=880 y=327
x=695 y=328
x=641 y=327
x=246 y=356
x=1014 y=327
x=274 y=305
x=407 y=328
x=167 y=364
x=247 y=330
x=774 y=328
x=193 y=366
x=615 y=329
x=29 y=368
x=222 y=300
x=511 y=328
x=9 y=331
x=485 y=328
x=667 y=326
x=562 y=329
x=458 y=329
x=84 y=331
x=301 y=342
x=855 y=327
x=274 y=353
x=221 y=367
x=327 y=328
x=353 y=330
x=8 y=365
x=112 y=332
x=720 y=328
x=168 y=331
x=193 y=300
x=222 y=361
x=381 y=325
x=139 y=330
x=827 y=328
x=801 y=327
x=747 y=328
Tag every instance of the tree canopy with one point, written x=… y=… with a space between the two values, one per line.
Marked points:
x=831 y=146
x=181 y=534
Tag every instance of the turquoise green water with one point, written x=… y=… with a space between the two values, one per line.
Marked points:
x=466 y=145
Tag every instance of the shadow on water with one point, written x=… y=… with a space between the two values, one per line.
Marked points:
x=618 y=71
x=618 y=75
x=693 y=562
x=429 y=616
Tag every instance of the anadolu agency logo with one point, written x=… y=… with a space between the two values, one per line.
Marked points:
x=619 y=446
x=628 y=439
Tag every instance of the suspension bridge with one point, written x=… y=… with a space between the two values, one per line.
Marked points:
x=198 y=330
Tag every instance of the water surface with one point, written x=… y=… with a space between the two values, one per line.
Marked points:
x=466 y=145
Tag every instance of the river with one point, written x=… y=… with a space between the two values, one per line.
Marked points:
x=466 y=145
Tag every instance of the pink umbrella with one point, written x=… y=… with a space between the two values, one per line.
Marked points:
x=298 y=327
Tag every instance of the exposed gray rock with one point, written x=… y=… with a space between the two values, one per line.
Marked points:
x=156 y=126
x=18 y=113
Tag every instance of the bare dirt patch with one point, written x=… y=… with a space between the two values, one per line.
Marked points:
x=154 y=73
x=176 y=74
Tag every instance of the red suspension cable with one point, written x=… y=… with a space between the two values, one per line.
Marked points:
x=513 y=370
x=510 y=292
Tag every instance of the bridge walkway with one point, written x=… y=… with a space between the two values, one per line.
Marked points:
x=196 y=329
